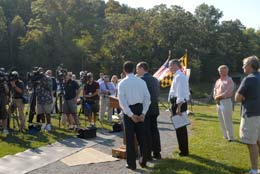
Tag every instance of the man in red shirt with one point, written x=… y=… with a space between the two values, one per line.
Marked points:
x=223 y=92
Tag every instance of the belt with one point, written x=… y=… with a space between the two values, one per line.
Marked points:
x=226 y=98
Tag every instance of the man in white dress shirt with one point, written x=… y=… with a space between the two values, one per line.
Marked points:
x=179 y=95
x=134 y=99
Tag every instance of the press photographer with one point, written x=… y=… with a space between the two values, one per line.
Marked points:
x=42 y=90
x=33 y=79
x=72 y=90
x=61 y=73
x=4 y=91
x=17 y=91
x=90 y=98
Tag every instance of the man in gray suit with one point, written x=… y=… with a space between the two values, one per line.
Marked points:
x=153 y=144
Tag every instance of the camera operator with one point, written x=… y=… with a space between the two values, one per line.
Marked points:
x=90 y=96
x=71 y=88
x=44 y=100
x=17 y=90
x=4 y=91
x=107 y=88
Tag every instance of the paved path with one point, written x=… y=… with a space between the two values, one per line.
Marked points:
x=168 y=143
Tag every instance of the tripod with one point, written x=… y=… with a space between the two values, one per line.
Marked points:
x=32 y=105
x=13 y=116
x=60 y=95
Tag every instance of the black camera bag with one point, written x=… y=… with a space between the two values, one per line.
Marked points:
x=117 y=127
x=90 y=132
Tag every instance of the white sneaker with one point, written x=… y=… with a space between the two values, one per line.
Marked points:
x=48 y=127
x=71 y=127
x=5 y=132
x=43 y=126
x=253 y=172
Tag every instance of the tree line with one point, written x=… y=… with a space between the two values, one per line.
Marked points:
x=96 y=36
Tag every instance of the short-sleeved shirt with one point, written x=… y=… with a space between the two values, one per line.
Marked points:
x=107 y=86
x=70 y=89
x=91 y=88
x=250 y=89
x=20 y=85
x=44 y=91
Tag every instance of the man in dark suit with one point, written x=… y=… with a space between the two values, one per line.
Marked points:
x=153 y=144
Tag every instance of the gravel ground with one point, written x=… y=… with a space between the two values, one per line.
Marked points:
x=168 y=143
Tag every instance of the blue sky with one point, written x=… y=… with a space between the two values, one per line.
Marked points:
x=244 y=10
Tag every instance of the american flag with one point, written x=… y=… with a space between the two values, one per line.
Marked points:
x=163 y=70
x=164 y=75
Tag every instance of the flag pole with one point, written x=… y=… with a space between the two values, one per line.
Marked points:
x=168 y=103
x=186 y=53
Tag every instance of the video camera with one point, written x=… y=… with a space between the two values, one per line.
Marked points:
x=61 y=72
x=35 y=76
x=84 y=77
x=13 y=76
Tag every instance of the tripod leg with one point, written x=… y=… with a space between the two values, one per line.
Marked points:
x=17 y=121
x=60 y=97
x=13 y=121
x=85 y=119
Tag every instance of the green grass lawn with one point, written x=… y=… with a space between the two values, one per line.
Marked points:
x=209 y=152
x=19 y=142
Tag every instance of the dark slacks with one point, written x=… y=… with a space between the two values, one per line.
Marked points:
x=152 y=136
x=182 y=133
x=132 y=129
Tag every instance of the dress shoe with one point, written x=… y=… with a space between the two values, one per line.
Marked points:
x=149 y=158
x=184 y=154
x=130 y=167
x=143 y=165
x=157 y=156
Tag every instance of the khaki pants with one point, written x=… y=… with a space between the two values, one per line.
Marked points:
x=104 y=106
x=225 y=118
x=20 y=107
x=249 y=131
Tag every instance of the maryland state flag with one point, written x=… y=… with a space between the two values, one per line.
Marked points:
x=184 y=63
x=165 y=76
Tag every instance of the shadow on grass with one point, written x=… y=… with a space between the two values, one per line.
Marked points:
x=205 y=117
x=25 y=140
x=201 y=166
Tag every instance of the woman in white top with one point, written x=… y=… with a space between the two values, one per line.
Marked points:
x=114 y=80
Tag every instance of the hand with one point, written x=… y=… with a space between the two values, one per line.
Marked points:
x=135 y=118
x=141 y=118
x=12 y=83
x=178 y=111
x=219 y=97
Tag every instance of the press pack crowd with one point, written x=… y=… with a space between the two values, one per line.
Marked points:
x=137 y=92
x=43 y=95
